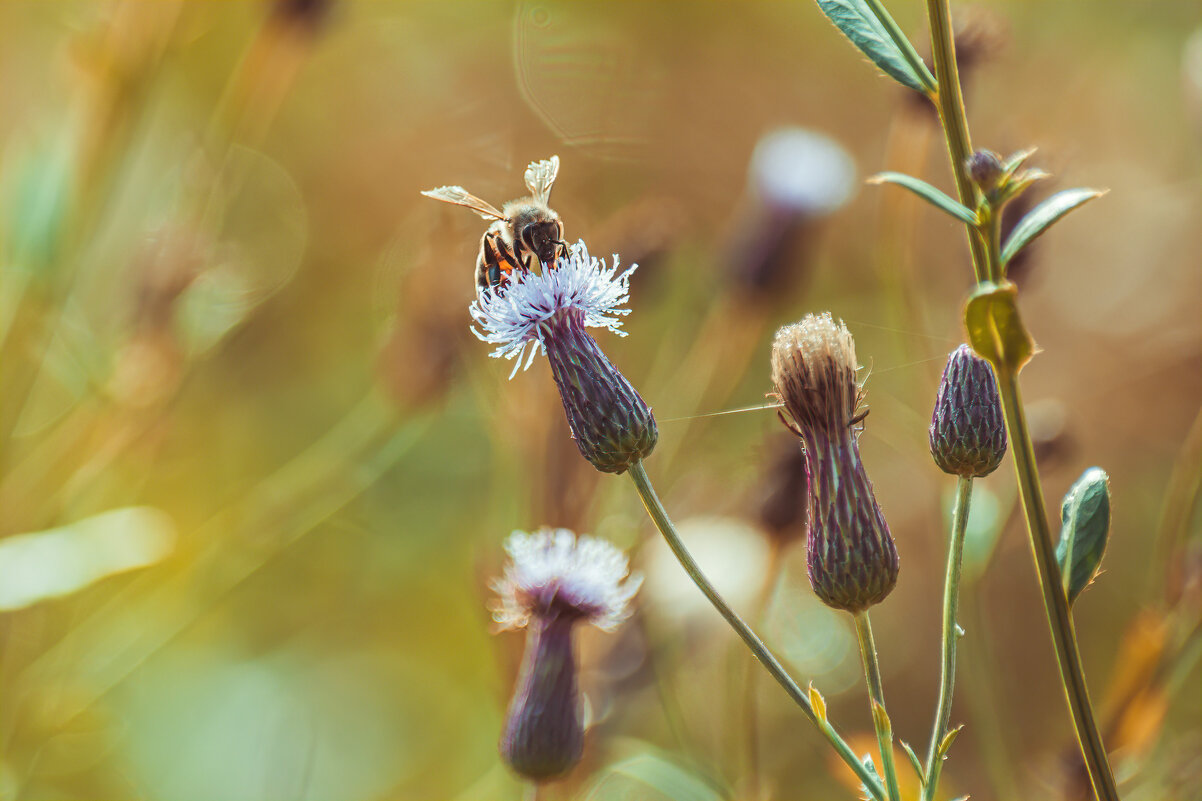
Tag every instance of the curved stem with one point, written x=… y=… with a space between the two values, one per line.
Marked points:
x=950 y=103
x=659 y=516
x=1064 y=636
x=876 y=693
x=951 y=597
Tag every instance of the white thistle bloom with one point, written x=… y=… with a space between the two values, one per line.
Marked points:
x=515 y=319
x=553 y=572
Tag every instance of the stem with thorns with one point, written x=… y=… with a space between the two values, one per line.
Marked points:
x=951 y=596
x=659 y=516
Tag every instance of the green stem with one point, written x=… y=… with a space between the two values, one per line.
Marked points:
x=1064 y=636
x=950 y=103
x=951 y=597
x=876 y=693
x=903 y=44
x=659 y=516
x=959 y=146
x=992 y=235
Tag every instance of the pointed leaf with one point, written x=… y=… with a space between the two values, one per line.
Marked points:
x=995 y=328
x=817 y=703
x=1016 y=160
x=1016 y=184
x=858 y=22
x=928 y=193
x=1042 y=216
x=1085 y=529
x=881 y=717
x=914 y=761
x=946 y=743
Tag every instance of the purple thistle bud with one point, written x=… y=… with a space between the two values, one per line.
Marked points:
x=554 y=581
x=612 y=425
x=549 y=312
x=850 y=555
x=968 y=431
x=544 y=732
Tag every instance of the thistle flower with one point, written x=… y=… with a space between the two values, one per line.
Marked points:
x=548 y=312
x=554 y=581
x=968 y=432
x=850 y=556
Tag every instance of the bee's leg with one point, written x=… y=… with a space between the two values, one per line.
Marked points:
x=561 y=245
x=495 y=261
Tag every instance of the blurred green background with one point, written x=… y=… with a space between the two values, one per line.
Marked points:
x=255 y=471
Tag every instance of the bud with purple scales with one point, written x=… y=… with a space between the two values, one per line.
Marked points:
x=612 y=425
x=968 y=430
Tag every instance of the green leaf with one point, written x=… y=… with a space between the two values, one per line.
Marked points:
x=869 y=32
x=928 y=193
x=651 y=777
x=1040 y=218
x=914 y=761
x=1085 y=530
x=995 y=328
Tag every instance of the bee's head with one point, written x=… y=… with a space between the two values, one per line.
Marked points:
x=543 y=237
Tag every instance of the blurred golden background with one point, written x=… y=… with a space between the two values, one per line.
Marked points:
x=255 y=470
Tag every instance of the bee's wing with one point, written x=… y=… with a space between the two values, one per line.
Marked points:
x=540 y=176
x=461 y=197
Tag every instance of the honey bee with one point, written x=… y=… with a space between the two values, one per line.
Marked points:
x=524 y=234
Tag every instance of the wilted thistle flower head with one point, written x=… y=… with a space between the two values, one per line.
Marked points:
x=555 y=580
x=548 y=312
x=850 y=555
x=968 y=431
x=814 y=372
